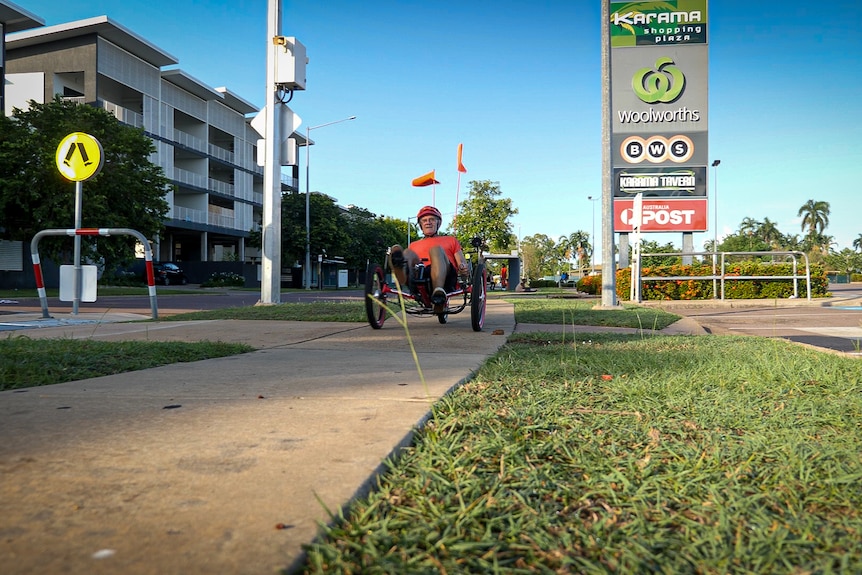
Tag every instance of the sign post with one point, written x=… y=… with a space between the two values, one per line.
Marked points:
x=79 y=157
x=658 y=77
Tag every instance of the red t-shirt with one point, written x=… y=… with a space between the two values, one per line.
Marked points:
x=449 y=244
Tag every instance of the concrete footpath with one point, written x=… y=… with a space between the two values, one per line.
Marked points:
x=225 y=465
x=219 y=466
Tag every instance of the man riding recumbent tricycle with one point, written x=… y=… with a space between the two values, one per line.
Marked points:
x=433 y=277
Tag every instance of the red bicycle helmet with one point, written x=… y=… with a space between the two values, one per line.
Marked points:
x=429 y=211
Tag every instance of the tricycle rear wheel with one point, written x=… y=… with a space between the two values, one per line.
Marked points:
x=478 y=297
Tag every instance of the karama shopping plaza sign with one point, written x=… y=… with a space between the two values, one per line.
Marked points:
x=659 y=63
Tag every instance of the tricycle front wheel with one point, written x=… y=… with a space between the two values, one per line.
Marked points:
x=375 y=298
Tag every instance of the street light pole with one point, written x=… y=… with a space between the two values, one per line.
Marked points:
x=715 y=164
x=408 y=228
x=593 y=237
x=308 y=130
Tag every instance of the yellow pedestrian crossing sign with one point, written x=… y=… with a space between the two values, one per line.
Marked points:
x=79 y=157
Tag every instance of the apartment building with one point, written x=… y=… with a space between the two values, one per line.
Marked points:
x=203 y=138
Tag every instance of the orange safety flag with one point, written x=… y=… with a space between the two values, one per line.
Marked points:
x=425 y=180
x=461 y=167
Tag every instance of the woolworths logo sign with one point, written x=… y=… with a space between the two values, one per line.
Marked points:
x=663 y=84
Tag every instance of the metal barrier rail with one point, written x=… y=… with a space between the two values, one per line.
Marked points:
x=723 y=276
x=37 y=262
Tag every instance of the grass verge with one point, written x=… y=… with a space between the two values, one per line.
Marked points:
x=627 y=454
x=31 y=362
x=349 y=311
x=582 y=312
x=26 y=362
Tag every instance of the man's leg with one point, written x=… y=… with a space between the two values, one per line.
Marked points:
x=439 y=268
x=401 y=260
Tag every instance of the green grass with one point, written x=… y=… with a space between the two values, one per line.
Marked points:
x=26 y=362
x=664 y=454
x=349 y=311
x=582 y=312
x=16 y=294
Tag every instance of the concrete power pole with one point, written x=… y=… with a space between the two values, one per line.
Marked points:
x=609 y=268
x=270 y=281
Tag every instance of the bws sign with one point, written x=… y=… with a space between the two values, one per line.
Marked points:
x=663 y=215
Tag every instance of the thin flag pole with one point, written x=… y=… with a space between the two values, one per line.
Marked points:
x=461 y=169
x=457 y=190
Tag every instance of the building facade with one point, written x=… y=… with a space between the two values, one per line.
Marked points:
x=203 y=137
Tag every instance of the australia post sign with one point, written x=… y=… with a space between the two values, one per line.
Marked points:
x=662 y=215
x=659 y=62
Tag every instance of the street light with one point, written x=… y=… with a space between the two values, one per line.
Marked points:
x=715 y=164
x=593 y=237
x=408 y=228
x=308 y=195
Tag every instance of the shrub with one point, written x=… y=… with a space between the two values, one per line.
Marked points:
x=694 y=288
x=224 y=279
x=590 y=285
x=122 y=279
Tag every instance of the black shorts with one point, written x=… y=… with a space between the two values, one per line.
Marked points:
x=423 y=273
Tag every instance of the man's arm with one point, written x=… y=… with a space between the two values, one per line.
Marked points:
x=463 y=263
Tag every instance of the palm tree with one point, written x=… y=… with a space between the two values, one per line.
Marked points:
x=857 y=243
x=815 y=216
x=749 y=226
x=579 y=242
x=769 y=232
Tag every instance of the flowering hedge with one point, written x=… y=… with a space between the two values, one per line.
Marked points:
x=590 y=284
x=685 y=289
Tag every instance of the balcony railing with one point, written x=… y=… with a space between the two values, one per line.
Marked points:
x=189 y=141
x=190 y=178
x=124 y=115
x=221 y=187
x=188 y=215
x=221 y=153
x=202 y=217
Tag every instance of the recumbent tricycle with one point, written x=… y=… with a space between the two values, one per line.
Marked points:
x=469 y=291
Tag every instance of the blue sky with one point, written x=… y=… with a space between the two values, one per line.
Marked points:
x=519 y=84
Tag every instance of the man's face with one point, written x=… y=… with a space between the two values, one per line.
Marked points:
x=429 y=225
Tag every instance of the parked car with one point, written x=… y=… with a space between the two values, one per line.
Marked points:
x=168 y=273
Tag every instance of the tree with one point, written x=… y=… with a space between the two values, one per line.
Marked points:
x=653 y=247
x=768 y=231
x=580 y=243
x=539 y=255
x=328 y=229
x=749 y=226
x=857 y=243
x=482 y=214
x=815 y=216
x=818 y=246
x=743 y=242
x=369 y=237
x=846 y=261
x=129 y=191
